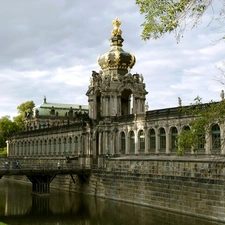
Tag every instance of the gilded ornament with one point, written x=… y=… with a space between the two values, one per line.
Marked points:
x=116 y=24
x=117 y=57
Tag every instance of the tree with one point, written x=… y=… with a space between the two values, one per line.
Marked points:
x=23 y=108
x=7 y=127
x=166 y=16
x=203 y=116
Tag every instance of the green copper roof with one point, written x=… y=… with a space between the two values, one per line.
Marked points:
x=47 y=108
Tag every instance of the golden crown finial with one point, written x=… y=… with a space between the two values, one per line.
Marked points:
x=116 y=24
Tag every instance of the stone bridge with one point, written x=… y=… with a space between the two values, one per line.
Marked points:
x=41 y=175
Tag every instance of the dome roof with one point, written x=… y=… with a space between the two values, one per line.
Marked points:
x=116 y=57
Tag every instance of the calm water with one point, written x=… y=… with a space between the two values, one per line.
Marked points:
x=18 y=206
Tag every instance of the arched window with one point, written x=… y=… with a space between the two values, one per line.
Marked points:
x=25 y=148
x=54 y=147
x=18 y=148
x=152 y=139
x=36 y=147
x=22 y=150
x=216 y=137
x=60 y=145
x=141 y=141
x=50 y=146
x=132 y=142
x=32 y=147
x=187 y=146
x=201 y=142
x=70 y=145
x=162 y=142
x=173 y=137
x=123 y=142
x=45 y=147
x=76 y=145
x=65 y=145
x=41 y=147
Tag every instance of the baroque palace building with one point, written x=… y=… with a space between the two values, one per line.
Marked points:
x=115 y=123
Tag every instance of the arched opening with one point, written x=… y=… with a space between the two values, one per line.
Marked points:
x=216 y=137
x=187 y=146
x=174 y=134
x=132 y=142
x=36 y=148
x=141 y=137
x=70 y=145
x=54 y=148
x=60 y=145
x=50 y=147
x=162 y=141
x=25 y=148
x=76 y=145
x=125 y=102
x=98 y=103
x=152 y=139
x=22 y=150
x=122 y=142
x=64 y=145
x=41 y=147
x=45 y=147
x=18 y=148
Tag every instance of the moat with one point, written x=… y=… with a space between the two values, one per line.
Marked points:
x=18 y=206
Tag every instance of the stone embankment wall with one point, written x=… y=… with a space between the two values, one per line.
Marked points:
x=192 y=186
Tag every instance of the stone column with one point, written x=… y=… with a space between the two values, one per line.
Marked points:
x=222 y=133
x=146 y=141
x=168 y=137
x=157 y=140
x=100 y=143
x=208 y=141
x=136 y=142
x=127 y=143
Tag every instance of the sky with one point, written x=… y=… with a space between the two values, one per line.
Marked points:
x=50 y=48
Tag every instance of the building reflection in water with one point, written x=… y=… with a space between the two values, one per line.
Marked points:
x=18 y=206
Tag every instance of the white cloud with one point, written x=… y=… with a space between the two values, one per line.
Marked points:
x=51 y=47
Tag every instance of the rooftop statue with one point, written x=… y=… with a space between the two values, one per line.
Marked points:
x=116 y=31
